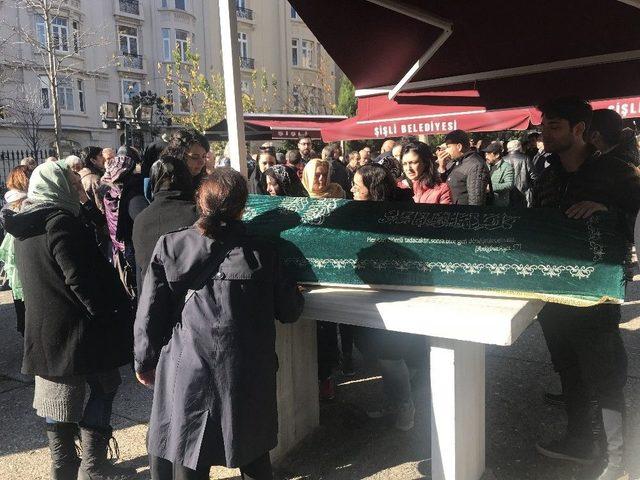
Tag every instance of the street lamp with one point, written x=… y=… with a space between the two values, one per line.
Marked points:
x=123 y=116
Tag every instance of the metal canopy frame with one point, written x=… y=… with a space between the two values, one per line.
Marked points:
x=447 y=27
x=509 y=72
x=436 y=21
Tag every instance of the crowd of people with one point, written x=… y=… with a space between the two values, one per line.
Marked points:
x=116 y=257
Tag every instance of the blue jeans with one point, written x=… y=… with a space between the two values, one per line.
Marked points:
x=97 y=411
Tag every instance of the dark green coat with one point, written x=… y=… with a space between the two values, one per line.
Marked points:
x=502 y=180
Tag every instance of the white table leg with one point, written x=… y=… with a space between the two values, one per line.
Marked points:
x=457 y=410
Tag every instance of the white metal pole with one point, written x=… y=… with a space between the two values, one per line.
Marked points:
x=232 y=90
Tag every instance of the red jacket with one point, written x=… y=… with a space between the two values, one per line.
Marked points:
x=440 y=194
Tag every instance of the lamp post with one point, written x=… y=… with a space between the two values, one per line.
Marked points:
x=123 y=116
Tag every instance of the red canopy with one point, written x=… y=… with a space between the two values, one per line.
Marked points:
x=273 y=126
x=416 y=114
x=514 y=53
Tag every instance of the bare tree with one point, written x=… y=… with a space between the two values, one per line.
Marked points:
x=25 y=116
x=56 y=55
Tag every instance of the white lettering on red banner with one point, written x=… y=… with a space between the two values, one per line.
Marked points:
x=626 y=109
x=397 y=129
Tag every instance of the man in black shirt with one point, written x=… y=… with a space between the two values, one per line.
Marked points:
x=585 y=344
x=464 y=170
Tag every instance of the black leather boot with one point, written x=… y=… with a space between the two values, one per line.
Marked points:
x=95 y=464
x=64 y=458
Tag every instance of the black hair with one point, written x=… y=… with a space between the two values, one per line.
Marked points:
x=89 y=154
x=222 y=196
x=378 y=181
x=573 y=109
x=608 y=123
x=430 y=176
x=182 y=140
x=170 y=173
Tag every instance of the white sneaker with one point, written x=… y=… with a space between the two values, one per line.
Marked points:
x=406 y=414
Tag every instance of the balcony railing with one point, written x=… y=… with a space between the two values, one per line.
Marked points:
x=130 y=6
x=244 y=13
x=128 y=60
x=247 y=63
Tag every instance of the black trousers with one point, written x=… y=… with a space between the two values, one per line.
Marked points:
x=587 y=351
x=161 y=469
x=20 y=315
x=327 y=348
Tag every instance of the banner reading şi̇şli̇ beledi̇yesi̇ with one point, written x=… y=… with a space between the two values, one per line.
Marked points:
x=530 y=253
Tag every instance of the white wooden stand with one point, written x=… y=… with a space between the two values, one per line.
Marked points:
x=457 y=409
x=459 y=326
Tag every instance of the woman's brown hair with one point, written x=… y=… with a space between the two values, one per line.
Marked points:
x=18 y=178
x=222 y=197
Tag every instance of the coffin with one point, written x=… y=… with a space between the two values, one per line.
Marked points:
x=526 y=253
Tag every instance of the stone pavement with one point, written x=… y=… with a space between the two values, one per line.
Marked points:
x=347 y=445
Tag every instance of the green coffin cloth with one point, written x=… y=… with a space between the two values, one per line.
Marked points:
x=530 y=253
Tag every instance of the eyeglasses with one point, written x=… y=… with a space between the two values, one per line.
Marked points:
x=191 y=156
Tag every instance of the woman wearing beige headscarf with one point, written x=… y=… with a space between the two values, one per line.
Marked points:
x=317 y=182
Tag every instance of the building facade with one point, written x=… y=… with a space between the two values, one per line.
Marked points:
x=117 y=48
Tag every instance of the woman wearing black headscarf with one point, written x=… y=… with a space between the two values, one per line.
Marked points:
x=282 y=181
x=173 y=207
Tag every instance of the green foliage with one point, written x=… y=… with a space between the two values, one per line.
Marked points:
x=347 y=102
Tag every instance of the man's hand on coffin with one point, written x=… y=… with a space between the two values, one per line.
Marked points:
x=585 y=209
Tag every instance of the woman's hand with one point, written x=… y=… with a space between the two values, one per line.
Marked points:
x=147 y=378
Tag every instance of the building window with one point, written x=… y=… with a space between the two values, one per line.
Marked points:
x=185 y=106
x=65 y=95
x=44 y=93
x=294 y=52
x=294 y=14
x=130 y=88
x=128 y=38
x=241 y=4
x=243 y=40
x=81 y=103
x=164 y=4
x=41 y=30
x=295 y=94
x=182 y=41
x=181 y=4
x=59 y=31
x=169 y=99
x=130 y=6
x=166 y=44
x=75 y=28
x=306 y=53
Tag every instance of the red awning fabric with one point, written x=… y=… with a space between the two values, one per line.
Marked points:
x=512 y=53
x=276 y=126
x=294 y=129
x=416 y=114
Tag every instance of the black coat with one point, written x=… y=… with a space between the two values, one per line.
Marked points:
x=78 y=318
x=468 y=179
x=169 y=211
x=215 y=390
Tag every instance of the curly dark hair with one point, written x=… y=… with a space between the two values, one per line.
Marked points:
x=182 y=140
x=169 y=173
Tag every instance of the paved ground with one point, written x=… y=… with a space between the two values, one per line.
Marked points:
x=347 y=445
